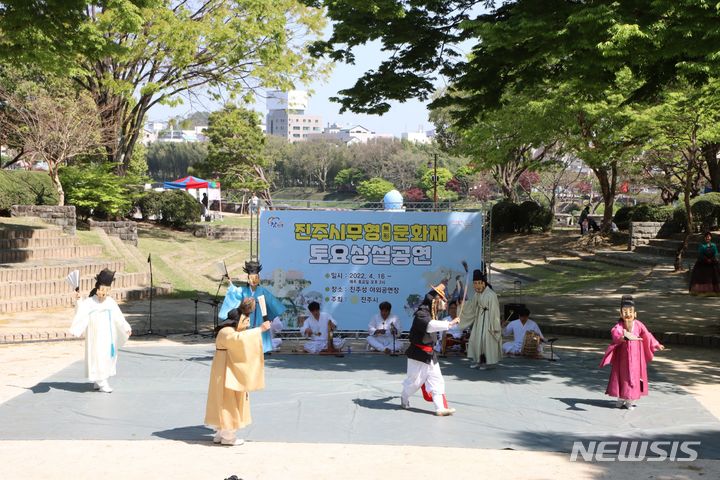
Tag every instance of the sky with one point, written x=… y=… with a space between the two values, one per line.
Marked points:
x=409 y=116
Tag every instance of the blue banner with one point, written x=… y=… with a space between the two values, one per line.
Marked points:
x=351 y=261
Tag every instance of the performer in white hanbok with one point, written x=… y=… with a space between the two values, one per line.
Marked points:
x=317 y=326
x=383 y=331
x=423 y=369
x=276 y=327
x=100 y=319
x=518 y=328
x=482 y=314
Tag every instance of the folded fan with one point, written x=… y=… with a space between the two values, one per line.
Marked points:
x=73 y=279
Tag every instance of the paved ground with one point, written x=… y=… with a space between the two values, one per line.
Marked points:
x=325 y=417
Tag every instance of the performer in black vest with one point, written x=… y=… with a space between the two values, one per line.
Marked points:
x=423 y=369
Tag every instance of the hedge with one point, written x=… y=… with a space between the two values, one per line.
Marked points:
x=19 y=187
x=705 y=209
x=510 y=217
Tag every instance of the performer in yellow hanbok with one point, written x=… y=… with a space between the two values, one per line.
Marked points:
x=238 y=368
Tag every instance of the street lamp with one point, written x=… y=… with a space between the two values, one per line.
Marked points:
x=433 y=164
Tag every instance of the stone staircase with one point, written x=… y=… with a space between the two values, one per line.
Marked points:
x=34 y=261
x=666 y=247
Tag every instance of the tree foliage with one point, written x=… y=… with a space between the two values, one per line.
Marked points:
x=236 y=153
x=50 y=123
x=130 y=55
x=171 y=160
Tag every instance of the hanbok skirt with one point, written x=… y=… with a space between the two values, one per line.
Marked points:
x=705 y=277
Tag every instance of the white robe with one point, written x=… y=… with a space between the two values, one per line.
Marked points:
x=518 y=330
x=482 y=313
x=276 y=327
x=319 y=336
x=105 y=332
x=384 y=341
x=429 y=374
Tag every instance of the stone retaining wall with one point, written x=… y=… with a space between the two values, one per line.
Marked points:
x=222 y=232
x=63 y=216
x=642 y=232
x=126 y=230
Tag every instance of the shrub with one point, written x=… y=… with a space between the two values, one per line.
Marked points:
x=151 y=205
x=374 y=190
x=18 y=187
x=179 y=208
x=505 y=217
x=705 y=209
x=414 y=195
x=96 y=190
x=648 y=212
x=623 y=216
x=533 y=215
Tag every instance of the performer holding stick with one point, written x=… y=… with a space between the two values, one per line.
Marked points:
x=423 y=369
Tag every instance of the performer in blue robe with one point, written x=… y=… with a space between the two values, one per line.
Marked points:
x=235 y=295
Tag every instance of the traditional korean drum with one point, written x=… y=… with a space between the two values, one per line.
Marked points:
x=530 y=345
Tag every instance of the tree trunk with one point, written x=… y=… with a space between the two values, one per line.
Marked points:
x=608 y=187
x=265 y=193
x=55 y=178
x=689 y=224
x=710 y=154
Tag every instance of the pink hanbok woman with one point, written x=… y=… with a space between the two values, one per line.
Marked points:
x=632 y=347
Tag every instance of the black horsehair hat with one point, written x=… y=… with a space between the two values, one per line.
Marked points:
x=105 y=277
x=478 y=275
x=252 y=267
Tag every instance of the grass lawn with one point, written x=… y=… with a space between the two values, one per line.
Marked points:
x=569 y=280
x=188 y=262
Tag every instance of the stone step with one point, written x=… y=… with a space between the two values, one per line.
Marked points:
x=621 y=259
x=9 y=232
x=24 y=254
x=54 y=269
x=34 y=289
x=657 y=250
x=37 y=242
x=672 y=243
x=57 y=301
x=575 y=263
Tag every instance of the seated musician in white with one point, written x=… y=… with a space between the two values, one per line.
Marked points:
x=454 y=338
x=518 y=328
x=383 y=331
x=276 y=327
x=316 y=327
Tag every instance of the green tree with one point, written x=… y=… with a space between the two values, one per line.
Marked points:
x=173 y=160
x=52 y=123
x=236 y=153
x=683 y=119
x=348 y=179
x=130 y=55
x=374 y=190
x=427 y=183
x=321 y=159
x=96 y=190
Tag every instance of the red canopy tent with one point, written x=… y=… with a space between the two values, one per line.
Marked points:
x=193 y=183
